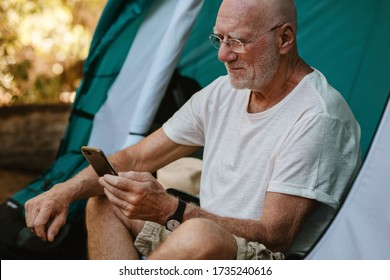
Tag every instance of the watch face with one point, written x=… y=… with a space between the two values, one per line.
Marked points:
x=172 y=224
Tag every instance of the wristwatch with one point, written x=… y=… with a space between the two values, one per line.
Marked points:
x=175 y=220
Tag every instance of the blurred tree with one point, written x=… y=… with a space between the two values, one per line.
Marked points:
x=43 y=44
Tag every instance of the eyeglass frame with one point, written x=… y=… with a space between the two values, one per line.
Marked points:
x=242 y=44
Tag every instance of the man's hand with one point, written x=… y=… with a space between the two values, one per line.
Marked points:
x=138 y=195
x=46 y=214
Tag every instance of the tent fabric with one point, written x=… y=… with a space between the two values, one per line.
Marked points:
x=361 y=230
x=135 y=96
x=111 y=42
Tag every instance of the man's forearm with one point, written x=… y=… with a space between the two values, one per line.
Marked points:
x=277 y=226
x=84 y=185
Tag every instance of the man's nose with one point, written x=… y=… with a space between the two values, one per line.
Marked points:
x=225 y=53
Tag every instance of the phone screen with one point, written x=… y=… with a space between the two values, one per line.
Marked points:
x=98 y=161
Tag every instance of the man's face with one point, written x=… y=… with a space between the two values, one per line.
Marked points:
x=254 y=68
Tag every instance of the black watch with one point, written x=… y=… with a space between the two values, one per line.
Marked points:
x=175 y=220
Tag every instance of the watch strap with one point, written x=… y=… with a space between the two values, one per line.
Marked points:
x=178 y=214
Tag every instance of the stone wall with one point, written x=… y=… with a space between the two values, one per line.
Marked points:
x=30 y=135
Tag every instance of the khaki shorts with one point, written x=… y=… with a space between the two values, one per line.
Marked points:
x=153 y=234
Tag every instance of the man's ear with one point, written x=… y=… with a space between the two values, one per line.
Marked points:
x=287 y=38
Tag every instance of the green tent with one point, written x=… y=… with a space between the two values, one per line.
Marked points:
x=345 y=40
x=112 y=39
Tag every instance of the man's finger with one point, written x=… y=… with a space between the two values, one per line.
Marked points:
x=30 y=216
x=110 y=181
x=121 y=204
x=40 y=222
x=136 y=176
x=55 y=227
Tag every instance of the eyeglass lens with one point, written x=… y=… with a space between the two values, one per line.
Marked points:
x=234 y=44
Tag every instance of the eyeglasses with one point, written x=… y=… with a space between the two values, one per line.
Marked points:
x=236 y=45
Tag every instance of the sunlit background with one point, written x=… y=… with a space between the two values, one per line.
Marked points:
x=43 y=44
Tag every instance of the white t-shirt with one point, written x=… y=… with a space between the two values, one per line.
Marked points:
x=307 y=145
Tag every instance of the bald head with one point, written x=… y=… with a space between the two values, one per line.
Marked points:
x=283 y=10
x=261 y=13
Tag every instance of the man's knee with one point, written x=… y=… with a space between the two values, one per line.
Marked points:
x=97 y=205
x=199 y=229
x=99 y=211
x=203 y=239
x=202 y=231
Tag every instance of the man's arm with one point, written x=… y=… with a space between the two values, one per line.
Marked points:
x=46 y=213
x=140 y=196
x=276 y=228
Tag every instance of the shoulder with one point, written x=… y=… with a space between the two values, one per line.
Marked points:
x=315 y=103
x=328 y=99
x=318 y=97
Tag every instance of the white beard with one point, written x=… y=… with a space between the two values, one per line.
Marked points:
x=258 y=77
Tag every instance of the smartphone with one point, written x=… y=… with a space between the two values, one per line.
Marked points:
x=98 y=161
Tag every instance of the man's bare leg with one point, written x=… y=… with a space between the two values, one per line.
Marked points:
x=108 y=237
x=197 y=239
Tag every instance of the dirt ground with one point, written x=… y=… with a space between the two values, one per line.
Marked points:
x=13 y=180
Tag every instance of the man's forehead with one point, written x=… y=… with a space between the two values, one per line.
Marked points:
x=242 y=8
x=239 y=16
x=233 y=35
x=227 y=22
x=233 y=25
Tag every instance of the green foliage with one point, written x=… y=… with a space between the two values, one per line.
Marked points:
x=42 y=46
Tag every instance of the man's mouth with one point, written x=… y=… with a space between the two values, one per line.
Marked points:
x=234 y=68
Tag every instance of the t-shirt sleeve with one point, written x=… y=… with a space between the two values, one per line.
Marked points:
x=186 y=126
x=317 y=161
